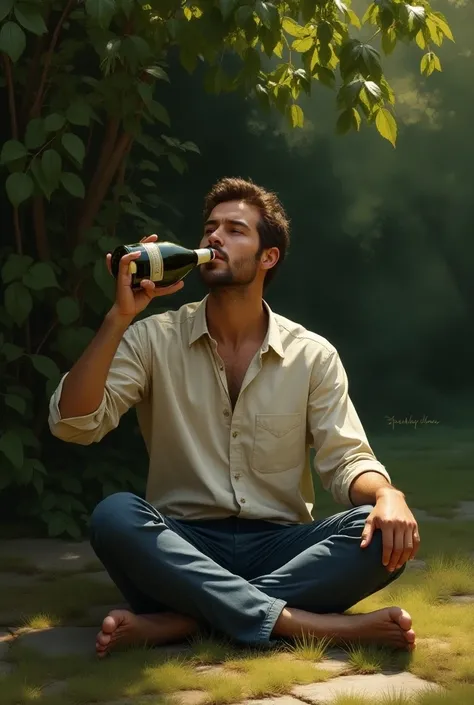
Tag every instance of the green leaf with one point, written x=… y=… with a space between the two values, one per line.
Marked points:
x=146 y=165
x=302 y=45
x=71 y=484
x=429 y=63
x=12 y=150
x=389 y=40
x=79 y=113
x=51 y=164
x=190 y=147
x=308 y=8
x=159 y=112
x=104 y=280
x=29 y=18
x=18 y=302
x=12 y=448
x=11 y=352
x=297 y=116
x=83 y=254
x=386 y=125
x=440 y=21
x=45 y=366
x=54 y=122
x=74 y=146
x=177 y=163
x=148 y=182
x=158 y=72
x=16 y=402
x=349 y=119
x=19 y=188
x=40 y=276
x=73 y=184
x=15 y=267
x=101 y=11
x=293 y=28
x=5 y=8
x=12 y=40
x=268 y=15
x=35 y=135
x=227 y=7
x=68 y=310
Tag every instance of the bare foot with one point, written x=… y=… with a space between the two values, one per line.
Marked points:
x=125 y=628
x=390 y=626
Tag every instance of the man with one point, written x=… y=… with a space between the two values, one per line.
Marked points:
x=229 y=398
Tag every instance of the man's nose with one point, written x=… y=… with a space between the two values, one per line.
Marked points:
x=215 y=238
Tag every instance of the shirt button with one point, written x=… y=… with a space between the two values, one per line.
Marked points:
x=226 y=412
x=242 y=499
x=235 y=434
x=237 y=475
x=221 y=367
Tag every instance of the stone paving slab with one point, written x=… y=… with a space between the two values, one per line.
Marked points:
x=282 y=700
x=76 y=641
x=5 y=668
x=367 y=686
x=50 y=554
x=461 y=599
x=60 y=641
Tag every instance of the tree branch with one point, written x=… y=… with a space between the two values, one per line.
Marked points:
x=95 y=196
x=39 y=222
x=11 y=96
x=36 y=107
x=108 y=146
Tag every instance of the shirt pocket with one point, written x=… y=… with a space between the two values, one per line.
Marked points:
x=277 y=443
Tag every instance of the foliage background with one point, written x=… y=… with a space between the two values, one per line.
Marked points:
x=379 y=263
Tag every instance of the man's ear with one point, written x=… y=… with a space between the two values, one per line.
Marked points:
x=270 y=257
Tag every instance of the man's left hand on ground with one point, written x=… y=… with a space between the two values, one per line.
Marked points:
x=400 y=536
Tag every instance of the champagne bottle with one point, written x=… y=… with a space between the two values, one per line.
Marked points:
x=164 y=263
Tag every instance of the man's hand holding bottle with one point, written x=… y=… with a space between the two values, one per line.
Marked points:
x=128 y=302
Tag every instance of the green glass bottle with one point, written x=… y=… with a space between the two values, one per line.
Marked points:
x=164 y=263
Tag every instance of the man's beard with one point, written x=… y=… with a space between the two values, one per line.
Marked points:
x=242 y=273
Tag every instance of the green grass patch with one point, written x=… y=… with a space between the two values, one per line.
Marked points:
x=308 y=648
x=460 y=695
x=367 y=659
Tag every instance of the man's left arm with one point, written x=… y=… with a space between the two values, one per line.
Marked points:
x=348 y=467
x=391 y=514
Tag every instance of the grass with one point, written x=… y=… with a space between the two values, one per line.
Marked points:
x=309 y=648
x=367 y=659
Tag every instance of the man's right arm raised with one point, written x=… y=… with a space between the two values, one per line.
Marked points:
x=112 y=373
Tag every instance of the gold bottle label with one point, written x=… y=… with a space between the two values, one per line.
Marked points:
x=156 y=260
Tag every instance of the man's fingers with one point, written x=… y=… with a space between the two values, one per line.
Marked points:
x=407 y=548
x=108 y=262
x=367 y=533
x=387 y=543
x=398 y=547
x=416 y=543
x=149 y=238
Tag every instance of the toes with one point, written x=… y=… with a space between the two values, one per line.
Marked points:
x=109 y=625
x=103 y=639
x=401 y=617
x=409 y=636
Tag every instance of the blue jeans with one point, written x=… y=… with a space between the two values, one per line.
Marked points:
x=235 y=576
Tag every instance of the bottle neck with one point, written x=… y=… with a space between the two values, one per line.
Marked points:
x=205 y=254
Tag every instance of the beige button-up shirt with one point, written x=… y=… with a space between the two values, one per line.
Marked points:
x=207 y=461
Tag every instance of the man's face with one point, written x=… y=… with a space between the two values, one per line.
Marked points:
x=232 y=230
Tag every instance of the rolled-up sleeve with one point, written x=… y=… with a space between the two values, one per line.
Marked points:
x=342 y=449
x=127 y=384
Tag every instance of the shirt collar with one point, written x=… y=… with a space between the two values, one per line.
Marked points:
x=272 y=338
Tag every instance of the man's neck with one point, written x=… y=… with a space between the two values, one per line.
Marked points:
x=235 y=317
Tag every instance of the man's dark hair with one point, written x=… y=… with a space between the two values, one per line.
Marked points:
x=273 y=226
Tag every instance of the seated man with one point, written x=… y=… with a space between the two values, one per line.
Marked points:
x=229 y=397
